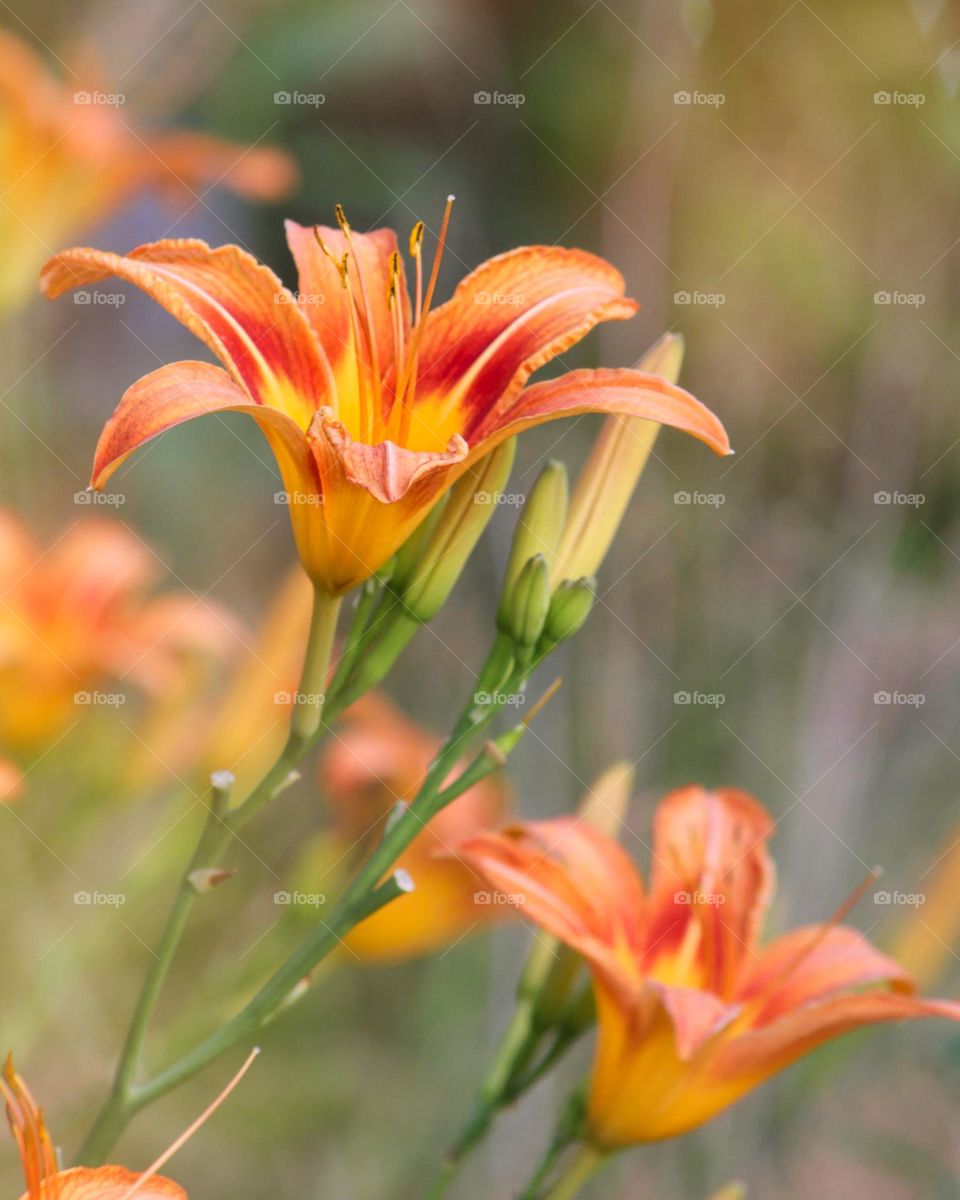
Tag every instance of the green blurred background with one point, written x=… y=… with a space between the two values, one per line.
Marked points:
x=785 y=200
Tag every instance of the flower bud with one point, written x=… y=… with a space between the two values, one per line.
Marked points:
x=610 y=474
x=529 y=603
x=539 y=529
x=569 y=608
x=464 y=518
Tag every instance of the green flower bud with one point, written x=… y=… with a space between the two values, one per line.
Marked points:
x=539 y=528
x=529 y=603
x=468 y=509
x=569 y=608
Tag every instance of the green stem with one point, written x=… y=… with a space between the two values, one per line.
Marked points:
x=364 y=896
x=218 y=831
x=308 y=703
x=581 y=1168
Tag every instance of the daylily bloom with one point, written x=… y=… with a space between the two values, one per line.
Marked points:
x=45 y=1180
x=693 y=1011
x=378 y=759
x=80 y=612
x=70 y=156
x=373 y=406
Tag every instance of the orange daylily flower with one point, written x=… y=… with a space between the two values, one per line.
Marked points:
x=693 y=1011
x=70 y=156
x=44 y=1179
x=80 y=612
x=378 y=759
x=373 y=406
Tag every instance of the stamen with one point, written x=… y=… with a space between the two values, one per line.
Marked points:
x=364 y=414
x=408 y=384
x=365 y=315
x=416 y=253
x=396 y=308
x=192 y=1129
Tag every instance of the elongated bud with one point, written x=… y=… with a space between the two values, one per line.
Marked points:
x=611 y=473
x=539 y=528
x=470 y=506
x=529 y=603
x=605 y=803
x=410 y=553
x=569 y=609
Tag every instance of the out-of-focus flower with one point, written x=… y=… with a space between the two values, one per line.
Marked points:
x=372 y=406
x=927 y=938
x=44 y=1179
x=79 y=613
x=693 y=1012
x=11 y=782
x=379 y=758
x=70 y=156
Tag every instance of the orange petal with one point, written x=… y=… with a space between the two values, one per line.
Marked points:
x=510 y=316
x=326 y=302
x=106 y=1183
x=169 y=396
x=809 y=964
x=233 y=303
x=625 y=391
x=574 y=881
x=758 y=1053
x=711 y=879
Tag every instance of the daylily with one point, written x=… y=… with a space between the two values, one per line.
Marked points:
x=70 y=156
x=693 y=1010
x=373 y=406
x=80 y=612
x=378 y=759
x=41 y=1172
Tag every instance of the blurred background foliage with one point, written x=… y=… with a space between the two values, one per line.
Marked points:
x=797 y=197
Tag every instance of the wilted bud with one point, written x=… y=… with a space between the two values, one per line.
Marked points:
x=529 y=603
x=539 y=529
x=470 y=506
x=611 y=473
x=569 y=608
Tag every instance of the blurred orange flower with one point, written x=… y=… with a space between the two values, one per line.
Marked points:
x=44 y=1179
x=378 y=759
x=372 y=406
x=693 y=1012
x=70 y=156
x=79 y=612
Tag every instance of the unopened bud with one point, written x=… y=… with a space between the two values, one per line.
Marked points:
x=529 y=603
x=464 y=518
x=569 y=609
x=539 y=529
